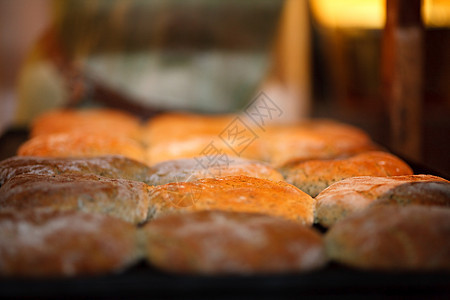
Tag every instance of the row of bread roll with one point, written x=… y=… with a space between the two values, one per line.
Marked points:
x=122 y=187
x=46 y=242
x=172 y=137
x=86 y=133
x=54 y=243
x=290 y=147
x=320 y=139
x=233 y=194
x=121 y=167
x=72 y=189
x=137 y=202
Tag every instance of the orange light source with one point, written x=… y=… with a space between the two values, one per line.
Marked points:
x=370 y=14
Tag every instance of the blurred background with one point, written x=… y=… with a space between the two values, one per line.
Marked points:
x=318 y=58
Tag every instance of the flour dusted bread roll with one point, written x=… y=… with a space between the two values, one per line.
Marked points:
x=215 y=242
x=313 y=176
x=184 y=170
x=234 y=193
x=82 y=144
x=111 y=166
x=392 y=237
x=86 y=120
x=124 y=199
x=355 y=194
x=38 y=243
x=313 y=139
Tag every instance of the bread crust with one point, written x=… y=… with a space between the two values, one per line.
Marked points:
x=217 y=242
x=313 y=176
x=111 y=166
x=124 y=199
x=43 y=243
x=392 y=237
x=355 y=194
x=234 y=193
x=187 y=170
x=82 y=144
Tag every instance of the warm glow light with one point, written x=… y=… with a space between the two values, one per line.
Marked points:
x=436 y=13
x=370 y=14
x=349 y=13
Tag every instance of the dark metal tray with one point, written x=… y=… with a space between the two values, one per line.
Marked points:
x=143 y=281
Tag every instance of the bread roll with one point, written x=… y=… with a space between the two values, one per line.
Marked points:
x=354 y=194
x=177 y=135
x=314 y=139
x=86 y=120
x=186 y=170
x=214 y=242
x=393 y=238
x=82 y=144
x=177 y=126
x=37 y=243
x=192 y=146
x=419 y=193
x=234 y=193
x=313 y=176
x=111 y=166
x=124 y=199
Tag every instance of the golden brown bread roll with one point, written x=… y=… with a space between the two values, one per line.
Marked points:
x=82 y=144
x=234 y=193
x=355 y=194
x=217 y=242
x=313 y=139
x=313 y=176
x=111 y=166
x=392 y=237
x=186 y=170
x=180 y=135
x=55 y=243
x=419 y=193
x=124 y=199
x=191 y=146
x=178 y=125
x=86 y=120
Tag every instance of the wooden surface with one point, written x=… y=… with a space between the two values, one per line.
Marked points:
x=402 y=71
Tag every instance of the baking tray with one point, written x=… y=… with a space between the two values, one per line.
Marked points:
x=143 y=281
